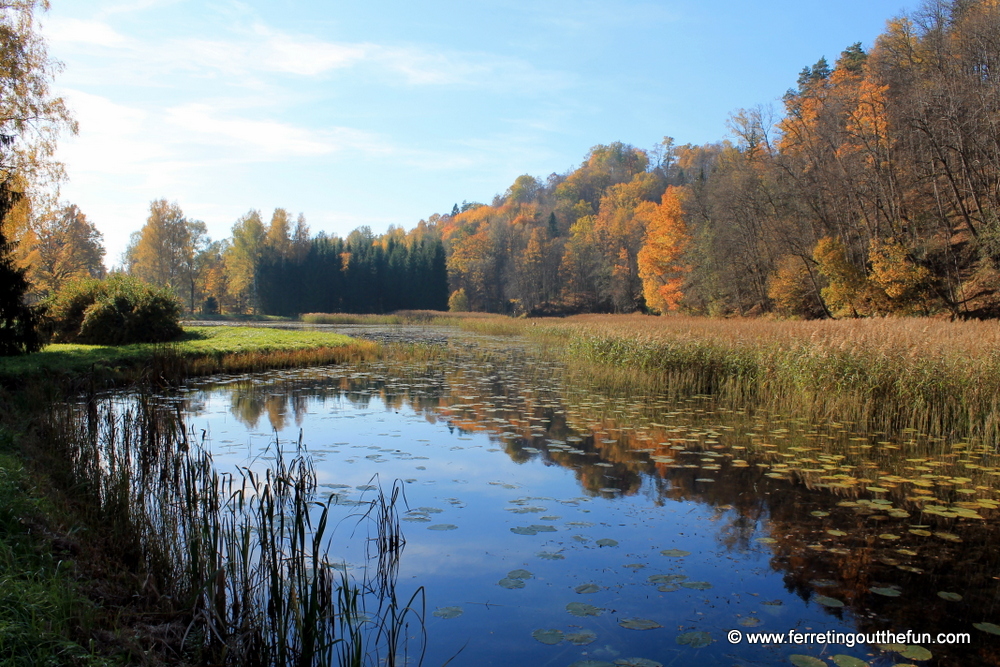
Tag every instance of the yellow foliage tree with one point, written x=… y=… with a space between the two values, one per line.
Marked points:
x=849 y=292
x=902 y=280
x=661 y=259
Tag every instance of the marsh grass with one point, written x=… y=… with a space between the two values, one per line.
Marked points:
x=935 y=376
x=239 y=562
x=939 y=377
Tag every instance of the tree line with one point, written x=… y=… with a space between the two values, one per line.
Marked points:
x=873 y=190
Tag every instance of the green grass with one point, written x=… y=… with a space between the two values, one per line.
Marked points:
x=228 y=347
x=41 y=609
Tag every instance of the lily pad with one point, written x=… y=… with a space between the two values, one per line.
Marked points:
x=581 y=638
x=448 y=612
x=915 y=652
x=668 y=588
x=523 y=530
x=987 y=627
x=606 y=542
x=696 y=585
x=551 y=555
x=695 y=639
x=800 y=660
x=950 y=597
x=666 y=578
x=886 y=591
x=583 y=609
x=507 y=582
x=550 y=637
x=637 y=662
x=842 y=660
x=592 y=663
x=587 y=588
x=749 y=622
x=442 y=526
x=828 y=601
x=639 y=624
x=519 y=574
x=543 y=528
x=675 y=553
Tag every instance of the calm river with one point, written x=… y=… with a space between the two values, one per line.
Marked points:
x=553 y=525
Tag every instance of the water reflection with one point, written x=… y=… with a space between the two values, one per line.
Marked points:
x=865 y=531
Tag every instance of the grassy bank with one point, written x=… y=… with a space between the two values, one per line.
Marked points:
x=201 y=351
x=935 y=376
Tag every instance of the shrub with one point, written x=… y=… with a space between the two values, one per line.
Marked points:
x=115 y=311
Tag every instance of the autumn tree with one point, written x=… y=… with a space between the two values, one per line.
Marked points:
x=165 y=252
x=662 y=265
x=66 y=247
x=243 y=258
x=31 y=118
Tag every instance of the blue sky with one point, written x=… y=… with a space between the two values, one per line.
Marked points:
x=383 y=113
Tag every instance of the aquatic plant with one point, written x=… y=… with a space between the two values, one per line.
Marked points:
x=240 y=559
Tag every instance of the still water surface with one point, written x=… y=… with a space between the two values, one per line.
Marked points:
x=552 y=525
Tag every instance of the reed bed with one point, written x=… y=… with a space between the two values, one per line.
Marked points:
x=938 y=377
x=239 y=562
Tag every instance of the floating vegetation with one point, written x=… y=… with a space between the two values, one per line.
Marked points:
x=886 y=591
x=675 y=553
x=800 y=660
x=639 y=624
x=583 y=609
x=443 y=526
x=550 y=637
x=587 y=588
x=696 y=585
x=509 y=583
x=582 y=638
x=637 y=662
x=448 y=612
x=827 y=601
x=991 y=628
x=694 y=639
x=843 y=660
x=606 y=542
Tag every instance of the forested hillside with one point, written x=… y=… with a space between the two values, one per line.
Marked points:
x=874 y=191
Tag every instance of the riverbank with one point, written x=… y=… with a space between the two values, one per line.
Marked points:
x=202 y=350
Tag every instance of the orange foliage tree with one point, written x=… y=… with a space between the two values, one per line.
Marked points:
x=661 y=260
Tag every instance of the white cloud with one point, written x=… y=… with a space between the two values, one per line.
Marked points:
x=83 y=31
x=303 y=54
x=267 y=138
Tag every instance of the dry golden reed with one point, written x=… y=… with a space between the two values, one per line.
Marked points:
x=936 y=376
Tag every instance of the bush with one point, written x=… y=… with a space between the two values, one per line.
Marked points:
x=115 y=311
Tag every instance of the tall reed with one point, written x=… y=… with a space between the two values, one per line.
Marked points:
x=242 y=557
x=938 y=377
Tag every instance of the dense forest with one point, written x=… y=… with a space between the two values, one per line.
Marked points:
x=875 y=190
